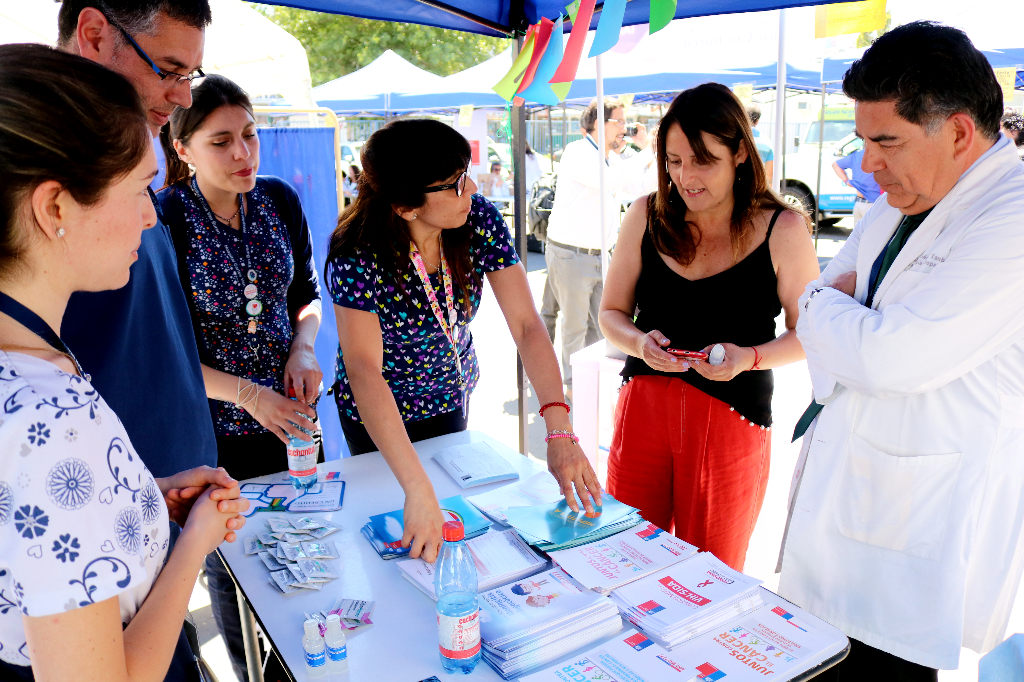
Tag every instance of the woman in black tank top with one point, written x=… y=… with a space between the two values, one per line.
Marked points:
x=711 y=258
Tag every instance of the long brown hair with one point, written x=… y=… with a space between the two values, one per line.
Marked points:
x=394 y=176
x=212 y=93
x=710 y=108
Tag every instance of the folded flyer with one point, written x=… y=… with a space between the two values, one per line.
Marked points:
x=610 y=563
x=630 y=657
x=539 y=489
x=500 y=557
x=284 y=497
x=389 y=526
x=557 y=523
x=473 y=464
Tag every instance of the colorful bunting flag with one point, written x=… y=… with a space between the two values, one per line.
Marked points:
x=661 y=14
x=542 y=37
x=608 y=28
x=507 y=86
x=571 y=9
x=566 y=72
x=540 y=90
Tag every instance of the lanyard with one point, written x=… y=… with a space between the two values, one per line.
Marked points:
x=449 y=327
x=591 y=141
x=37 y=326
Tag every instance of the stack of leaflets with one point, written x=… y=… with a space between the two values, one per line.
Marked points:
x=609 y=564
x=539 y=489
x=687 y=599
x=552 y=527
x=630 y=657
x=295 y=553
x=473 y=464
x=384 y=531
x=529 y=624
x=500 y=558
x=353 y=613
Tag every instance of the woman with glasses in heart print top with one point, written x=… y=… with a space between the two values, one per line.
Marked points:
x=405 y=270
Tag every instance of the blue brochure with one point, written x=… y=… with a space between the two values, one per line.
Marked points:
x=556 y=523
x=390 y=526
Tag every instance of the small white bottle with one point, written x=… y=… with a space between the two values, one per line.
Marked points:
x=313 y=646
x=337 y=652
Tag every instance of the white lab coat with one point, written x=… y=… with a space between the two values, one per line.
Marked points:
x=907 y=507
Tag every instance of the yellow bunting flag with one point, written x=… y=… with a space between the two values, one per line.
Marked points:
x=1007 y=77
x=744 y=92
x=848 y=17
x=509 y=84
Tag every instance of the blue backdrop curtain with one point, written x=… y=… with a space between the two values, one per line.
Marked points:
x=304 y=157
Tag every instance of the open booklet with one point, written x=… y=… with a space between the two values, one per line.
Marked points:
x=473 y=464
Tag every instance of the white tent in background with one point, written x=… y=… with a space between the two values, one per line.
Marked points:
x=371 y=87
x=241 y=43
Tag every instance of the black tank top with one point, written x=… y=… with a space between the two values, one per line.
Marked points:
x=738 y=305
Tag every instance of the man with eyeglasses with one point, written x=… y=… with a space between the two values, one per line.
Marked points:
x=137 y=342
x=573 y=251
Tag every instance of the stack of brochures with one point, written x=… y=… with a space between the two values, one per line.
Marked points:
x=618 y=560
x=384 y=531
x=687 y=599
x=501 y=557
x=539 y=489
x=473 y=464
x=531 y=623
x=629 y=657
x=551 y=527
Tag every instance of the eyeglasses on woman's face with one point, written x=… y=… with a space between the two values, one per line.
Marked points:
x=169 y=78
x=459 y=185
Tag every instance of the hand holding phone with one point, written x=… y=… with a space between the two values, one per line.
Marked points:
x=687 y=354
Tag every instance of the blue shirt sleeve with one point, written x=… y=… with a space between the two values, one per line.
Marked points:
x=352 y=281
x=492 y=240
x=847 y=161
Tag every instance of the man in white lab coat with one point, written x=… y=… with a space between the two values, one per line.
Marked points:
x=907 y=507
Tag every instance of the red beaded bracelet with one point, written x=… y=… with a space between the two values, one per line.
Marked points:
x=562 y=434
x=553 y=405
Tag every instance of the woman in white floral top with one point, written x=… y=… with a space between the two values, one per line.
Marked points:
x=87 y=588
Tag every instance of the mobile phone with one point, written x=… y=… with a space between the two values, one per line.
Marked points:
x=687 y=354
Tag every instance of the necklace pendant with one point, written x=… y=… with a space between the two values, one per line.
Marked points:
x=250 y=291
x=251 y=275
x=252 y=326
x=254 y=307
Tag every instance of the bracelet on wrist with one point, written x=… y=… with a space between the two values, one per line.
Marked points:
x=544 y=407
x=562 y=434
x=757 y=359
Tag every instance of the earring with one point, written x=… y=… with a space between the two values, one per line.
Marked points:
x=60 y=231
x=414 y=216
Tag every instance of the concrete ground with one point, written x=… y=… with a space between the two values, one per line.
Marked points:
x=494 y=410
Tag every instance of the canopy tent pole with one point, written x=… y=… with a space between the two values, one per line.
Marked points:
x=551 y=139
x=519 y=210
x=565 y=127
x=821 y=143
x=602 y=161
x=467 y=16
x=780 y=105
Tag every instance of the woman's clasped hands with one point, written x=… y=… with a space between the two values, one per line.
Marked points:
x=205 y=501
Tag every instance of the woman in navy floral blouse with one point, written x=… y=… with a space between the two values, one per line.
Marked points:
x=246 y=263
x=405 y=271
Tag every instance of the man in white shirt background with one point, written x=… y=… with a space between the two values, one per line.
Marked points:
x=573 y=251
x=908 y=497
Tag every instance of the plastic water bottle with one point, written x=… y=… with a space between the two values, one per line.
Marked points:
x=337 y=652
x=458 y=616
x=313 y=646
x=302 y=454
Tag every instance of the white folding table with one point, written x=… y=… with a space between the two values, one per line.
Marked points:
x=401 y=645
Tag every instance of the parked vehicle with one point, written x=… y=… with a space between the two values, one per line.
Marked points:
x=801 y=171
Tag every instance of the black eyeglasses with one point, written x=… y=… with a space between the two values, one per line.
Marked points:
x=459 y=185
x=169 y=78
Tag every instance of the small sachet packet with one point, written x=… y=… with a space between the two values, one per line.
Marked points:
x=316 y=570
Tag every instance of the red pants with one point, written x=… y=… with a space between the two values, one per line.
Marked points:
x=690 y=463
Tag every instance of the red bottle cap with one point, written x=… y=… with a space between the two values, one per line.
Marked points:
x=452 y=531
x=291 y=392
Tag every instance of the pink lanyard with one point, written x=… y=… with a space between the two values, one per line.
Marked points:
x=449 y=327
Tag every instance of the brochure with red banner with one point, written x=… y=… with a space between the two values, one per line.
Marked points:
x=687 y=599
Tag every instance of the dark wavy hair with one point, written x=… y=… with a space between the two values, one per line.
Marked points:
x=388 y=182
x=710 y=108
x=212 y=93
x=64 y=119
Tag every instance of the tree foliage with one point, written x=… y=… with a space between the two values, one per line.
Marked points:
x=868 y=37
x=337 y=45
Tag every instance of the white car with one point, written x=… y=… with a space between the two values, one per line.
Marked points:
x=836 y=200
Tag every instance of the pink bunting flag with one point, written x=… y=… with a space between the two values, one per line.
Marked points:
x=542 y=37
x=566 y=72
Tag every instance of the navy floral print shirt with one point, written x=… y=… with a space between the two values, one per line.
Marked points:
x=214 y=263
x=418 y=362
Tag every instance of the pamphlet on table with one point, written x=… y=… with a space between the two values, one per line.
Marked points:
x=630 y=657
x=384 y=531
x=474 y=464
x=281 y=496
x=557 y=523
x=539 y=489
x=615 y=561
x=687 y=599
x=501 y=557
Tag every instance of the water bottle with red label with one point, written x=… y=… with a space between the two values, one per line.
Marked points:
x=458 y=615
x=302 y=454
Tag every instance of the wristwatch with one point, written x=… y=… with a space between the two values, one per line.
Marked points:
x=814 y=292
